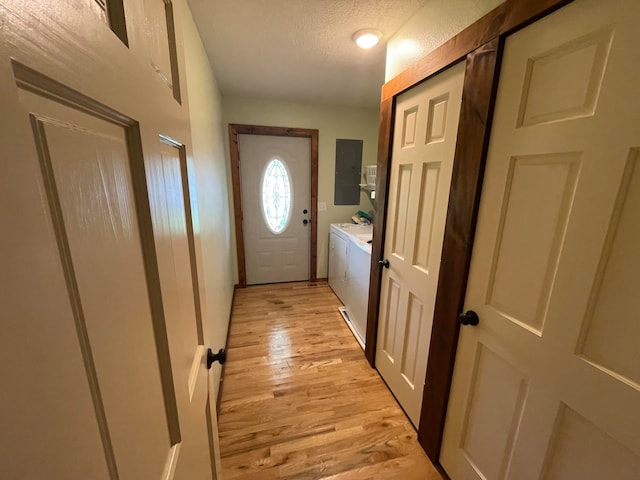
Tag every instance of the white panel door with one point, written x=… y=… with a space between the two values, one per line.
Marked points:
x=426 y=126
x=275 y=183
x=173 y=229
x=102 y=367
x=548 y=385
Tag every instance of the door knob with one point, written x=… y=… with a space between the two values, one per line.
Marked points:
x=469 y=318
x=384 y=263
x=221 y=357
x=305 y=211
x=305 y=221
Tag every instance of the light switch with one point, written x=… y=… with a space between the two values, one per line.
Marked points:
x=322 y=206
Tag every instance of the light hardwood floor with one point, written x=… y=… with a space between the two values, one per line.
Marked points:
x=299 y=400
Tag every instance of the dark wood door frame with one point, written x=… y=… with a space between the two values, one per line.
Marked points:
x=234 y=131
x=480 y=46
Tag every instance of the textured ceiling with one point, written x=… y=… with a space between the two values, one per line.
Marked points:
x=299 y=50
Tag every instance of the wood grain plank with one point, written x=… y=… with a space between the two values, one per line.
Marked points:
x=300 y=400
x=408 y=467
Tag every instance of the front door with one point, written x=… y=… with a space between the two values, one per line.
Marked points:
x=275 y=175
x=102 y=356
x=547 y=386
x=424 y=143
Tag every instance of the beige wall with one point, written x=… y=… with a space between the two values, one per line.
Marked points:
x=332 y=122
x=208 y=182
x=431 y=26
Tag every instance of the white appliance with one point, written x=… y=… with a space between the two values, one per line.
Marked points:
x=349 y=267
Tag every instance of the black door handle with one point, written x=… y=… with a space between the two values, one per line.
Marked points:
x=221 y=357
x=305 y=221
x=384 y=263
x=469 y=318
x=304 y=211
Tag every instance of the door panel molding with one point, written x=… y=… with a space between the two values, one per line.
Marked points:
x=188 y=211
x=47 y=88
x=480 y=45
x=234 y=131
x=82 y=331
x=466 y=184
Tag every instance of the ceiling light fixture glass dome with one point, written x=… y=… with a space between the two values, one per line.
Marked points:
x=367 y=38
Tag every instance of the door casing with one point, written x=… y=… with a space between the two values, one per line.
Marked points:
x=234 y=131
x=480 y=46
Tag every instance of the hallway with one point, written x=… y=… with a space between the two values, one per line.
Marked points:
x=299 y=401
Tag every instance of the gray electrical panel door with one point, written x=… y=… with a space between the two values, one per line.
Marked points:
x=348 y=172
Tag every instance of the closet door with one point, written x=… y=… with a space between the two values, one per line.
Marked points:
x=426 y=125
x=102 y=357
x=547 y=386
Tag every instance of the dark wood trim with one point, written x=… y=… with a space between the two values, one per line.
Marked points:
x=512 y=15
x=385 y=139
x=481 y=44
x=117 y=22
x=312 y=134
x=313 y=249
x=478 y=99
x=237 y=204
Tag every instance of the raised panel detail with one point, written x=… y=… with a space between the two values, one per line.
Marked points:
x=564 y=83
x=86 y=165
x=170 y=466
x=111 y=12
x=610 y=339
x=265 y=259
x=537 y=200
x=411 y=341
x=409 y=127
x=494 y=410
x=100 y=8
x=582 y=450
x=403 y=194
x=392 y=303
x=171 y=207
x=289 y=258
x=437 y=121
x=426 y=214
x=196 y=364
x=160 y=34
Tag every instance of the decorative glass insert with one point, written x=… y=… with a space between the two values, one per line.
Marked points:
x=276 y=196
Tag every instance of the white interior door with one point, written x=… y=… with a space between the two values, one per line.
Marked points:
x=101 y=355
x=275 y=183
x=176 y=260
x=426 y=125
x=548 y=385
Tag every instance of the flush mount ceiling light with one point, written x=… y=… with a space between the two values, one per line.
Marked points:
x=367 y=37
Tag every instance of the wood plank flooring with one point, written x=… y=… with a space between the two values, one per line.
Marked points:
x=299 y=401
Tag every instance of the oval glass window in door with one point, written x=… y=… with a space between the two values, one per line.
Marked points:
x=276 y=196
